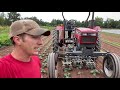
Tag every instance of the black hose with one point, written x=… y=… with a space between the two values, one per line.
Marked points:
x=92 y=22
x=88 y=17
x=86 y=22
x=64 y=23
x=63 y=16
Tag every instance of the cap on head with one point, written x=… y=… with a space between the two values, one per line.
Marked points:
x=27 y=26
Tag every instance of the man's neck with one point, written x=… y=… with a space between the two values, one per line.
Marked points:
x=18 y=54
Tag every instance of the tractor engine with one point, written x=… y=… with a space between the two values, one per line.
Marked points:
x=87 y=39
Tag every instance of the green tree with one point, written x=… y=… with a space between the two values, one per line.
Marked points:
x=55 y=22
x=33 y=18
x=13 y=16
x=2 y=18
x=99 y=21
x=118 y=24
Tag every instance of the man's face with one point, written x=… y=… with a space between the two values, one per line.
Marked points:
x=30 y=44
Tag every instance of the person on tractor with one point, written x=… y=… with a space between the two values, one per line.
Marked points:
x=69 y=28
x=61 y=35
x=70 y=25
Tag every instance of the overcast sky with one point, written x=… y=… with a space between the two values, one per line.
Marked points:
x=79 y=16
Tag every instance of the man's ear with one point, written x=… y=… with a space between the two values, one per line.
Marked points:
x=17 y=40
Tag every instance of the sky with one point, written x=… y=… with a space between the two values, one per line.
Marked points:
x=79 y=16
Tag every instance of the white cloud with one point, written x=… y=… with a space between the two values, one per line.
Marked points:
x=79 y=16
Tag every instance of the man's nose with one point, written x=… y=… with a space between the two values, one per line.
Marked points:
x=39 y=41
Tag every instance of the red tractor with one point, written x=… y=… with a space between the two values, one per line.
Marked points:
x=80 y=47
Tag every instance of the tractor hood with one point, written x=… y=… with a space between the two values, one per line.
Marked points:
x=60 y=27
x=86 y=30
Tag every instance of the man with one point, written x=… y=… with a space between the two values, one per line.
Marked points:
x=23 y=62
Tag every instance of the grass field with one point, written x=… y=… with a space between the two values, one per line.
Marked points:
x=5 y=41
x=4 y=35
x=110 y=38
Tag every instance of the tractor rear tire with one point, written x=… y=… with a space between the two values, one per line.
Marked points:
x=111 y=66
x=52 y=64
x=55 y=40
x=98 y=43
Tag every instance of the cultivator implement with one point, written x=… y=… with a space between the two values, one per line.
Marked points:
x=80 y=47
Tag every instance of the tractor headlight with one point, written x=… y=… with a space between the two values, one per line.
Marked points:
x=84 y=34
x=92 y=34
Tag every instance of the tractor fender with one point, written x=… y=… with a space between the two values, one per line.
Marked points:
x=61 y=32
x=97 y=28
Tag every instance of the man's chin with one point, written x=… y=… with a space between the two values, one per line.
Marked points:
x=36 y=53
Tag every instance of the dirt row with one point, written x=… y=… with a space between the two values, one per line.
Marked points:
x=111 y=48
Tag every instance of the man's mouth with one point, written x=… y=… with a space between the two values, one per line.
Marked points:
x=37 y=49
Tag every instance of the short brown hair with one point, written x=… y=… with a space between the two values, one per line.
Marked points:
x=21 y=35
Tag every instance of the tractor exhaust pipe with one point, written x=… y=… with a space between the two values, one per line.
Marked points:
x=92 y=22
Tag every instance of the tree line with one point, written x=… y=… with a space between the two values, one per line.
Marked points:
x=7 y=19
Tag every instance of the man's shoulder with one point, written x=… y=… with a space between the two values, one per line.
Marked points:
x=4 y=66
x=4 y=62
x=4 y=58
x=36 y=59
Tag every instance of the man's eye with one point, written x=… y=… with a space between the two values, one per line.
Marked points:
x=35 y=36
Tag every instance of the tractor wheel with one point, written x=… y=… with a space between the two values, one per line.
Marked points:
x=52 y=65
x=98 y=46
x=55 y=40
x=118 y=58
x=111 y=67
x=78 y=47
x=98 y=43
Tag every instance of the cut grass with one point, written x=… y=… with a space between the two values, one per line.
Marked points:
x=116 y=44
x=48 y=27
x=111 y=34
x=112 y=43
